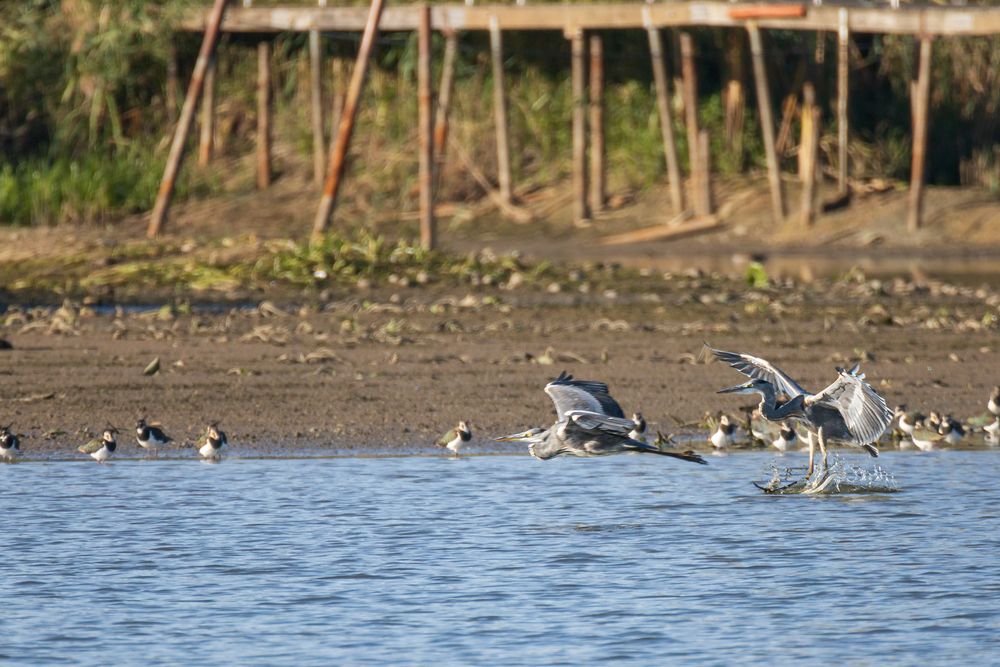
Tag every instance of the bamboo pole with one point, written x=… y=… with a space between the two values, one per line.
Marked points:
x=206 y=143
x=689 y=77
x=316 y=106
x=808 y=150
x=338 y=150
x=177 y=147
x=579 y=75
x=666 y=119
x=173 y=82
x=767 y=121
x=920 y=124
x=500 y=111
x=843 y=64
x=598 y=181
x=444 y=105
x=263 y=115
x=428 y=231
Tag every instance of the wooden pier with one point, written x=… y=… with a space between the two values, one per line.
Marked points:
x=924 y=22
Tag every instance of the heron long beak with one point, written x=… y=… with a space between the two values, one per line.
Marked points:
x=738 y=389
x=513 y=437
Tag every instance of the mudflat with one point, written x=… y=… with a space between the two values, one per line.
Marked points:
x=389 y=370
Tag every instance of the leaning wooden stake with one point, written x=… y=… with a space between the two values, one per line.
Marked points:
x=425 y=94
x=500 y=111
x=598 y=182
x=691 y=112
x=843 y=63
x=579 y=75
x=766 y=121
x=338 y=150
x=263 y=115
x=206 y=143
x=444 y=105
x=208 y=43
x=316 y=106
x=920 y=124
x=666 y=119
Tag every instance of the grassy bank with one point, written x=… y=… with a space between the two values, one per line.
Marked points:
x=85 y=92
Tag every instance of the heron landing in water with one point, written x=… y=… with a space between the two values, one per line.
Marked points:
x=848 y=411
x=589 y=422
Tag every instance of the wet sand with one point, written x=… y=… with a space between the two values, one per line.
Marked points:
x=388 y=373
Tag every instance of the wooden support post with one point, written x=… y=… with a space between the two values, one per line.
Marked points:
x=444 y=105
x=338 y=150
x=579 y=76
x=843 y=64
x=705 y=172
x=766 y=120
x=206 y=143
x=808 y=152
x=598 y=184
x=173 y=83
x=263 y=115
x=666 y=119
x=338 y=75
x=425 y=94
x=734 y=97
x=500 y=111
x=691 y=113
x=920 y=124
x=316 y=106
x=178 y=145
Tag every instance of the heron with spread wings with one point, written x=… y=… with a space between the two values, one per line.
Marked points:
x=589 y=422
x=848 y=411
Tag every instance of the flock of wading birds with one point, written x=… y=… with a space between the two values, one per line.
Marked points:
x=590 y=422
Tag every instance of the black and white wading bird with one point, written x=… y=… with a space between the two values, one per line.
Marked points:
x=150 y=437
x=589 y=422
x=214 y=440
x=638 y=432
x=101 y=448
x=10 y=445
x=993 y=405
x=848 y=411
x=724 y=434
x=456 y=437
x=787 y=440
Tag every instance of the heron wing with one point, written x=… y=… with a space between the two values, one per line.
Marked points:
x=596 y=422
x=91 y=446
x=569 y=394
x=865 y=412
x=760 y=369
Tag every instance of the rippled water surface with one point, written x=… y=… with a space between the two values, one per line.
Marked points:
x=495 y=560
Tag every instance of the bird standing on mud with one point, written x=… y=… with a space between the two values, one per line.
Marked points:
x=150 y=437
x=101 y=449
x=724 y=434
x=214 y=440
x=847 y=411
x=993 y=405
x=589 y=422
x=638 y=432
x=951 y=430
x=10 y=445
x=788 y=439
x=455 y=438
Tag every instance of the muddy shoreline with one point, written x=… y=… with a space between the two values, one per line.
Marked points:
x=389 y=372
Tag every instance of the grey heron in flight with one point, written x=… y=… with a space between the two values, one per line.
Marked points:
x=848 y=411
x=589 y=422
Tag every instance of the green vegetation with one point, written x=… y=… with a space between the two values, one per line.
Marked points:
x=83 y=94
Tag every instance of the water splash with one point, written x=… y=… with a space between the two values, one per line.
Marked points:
x=842 y=478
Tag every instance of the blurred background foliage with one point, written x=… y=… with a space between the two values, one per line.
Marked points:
x=85 y=119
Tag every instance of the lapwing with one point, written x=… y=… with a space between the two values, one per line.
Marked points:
x=925 y=437
x=788 y=439
x=993 y=430
x=993 y=405
x=724 y=433
x=10 y=445
x=952 y=430
x=638 y=432
x=214 y=440
x=455 y=438
x=101 y=448
x=150 y=436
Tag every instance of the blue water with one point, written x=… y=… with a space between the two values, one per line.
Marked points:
x=495 y=560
